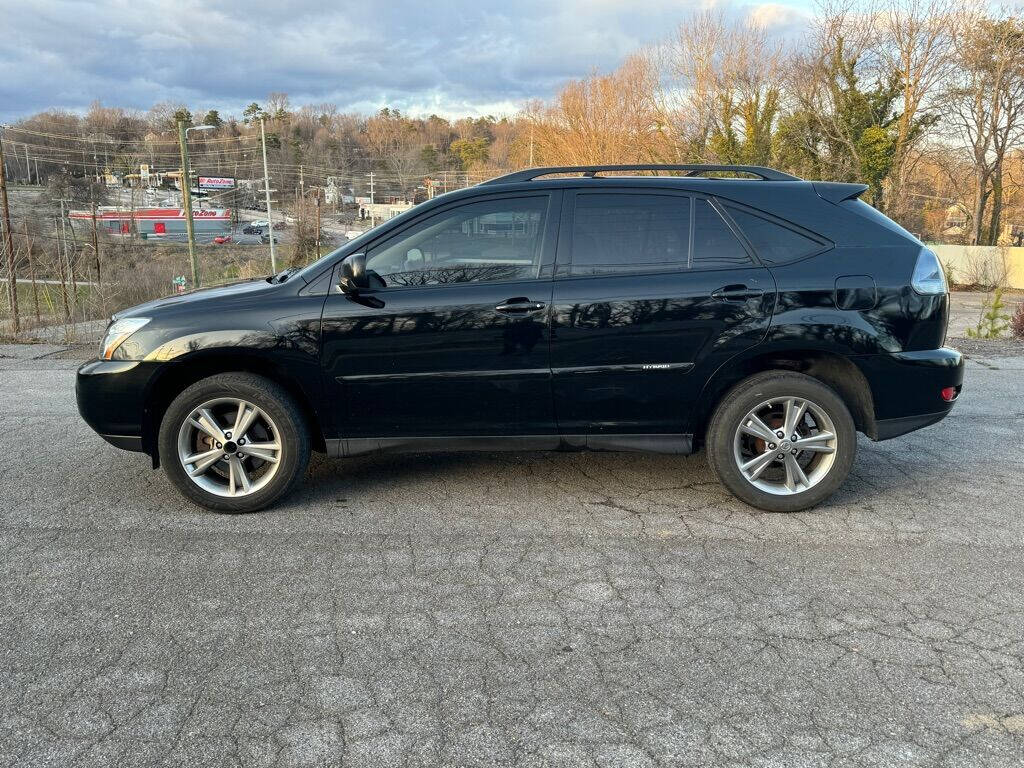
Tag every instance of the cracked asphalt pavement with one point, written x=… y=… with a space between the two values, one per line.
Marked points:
x=516 y=609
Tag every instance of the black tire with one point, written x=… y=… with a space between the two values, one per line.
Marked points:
x=745 y=397
x=268 y=396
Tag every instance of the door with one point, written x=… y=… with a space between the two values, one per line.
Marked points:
x=454 y=341
x=653 y=290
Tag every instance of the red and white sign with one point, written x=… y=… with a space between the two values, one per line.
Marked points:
x=216 y=182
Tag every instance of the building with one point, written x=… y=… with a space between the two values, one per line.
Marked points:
x=382 y=211
x=336 y=194
x=158 y=222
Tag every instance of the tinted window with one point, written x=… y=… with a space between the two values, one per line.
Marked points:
x=860 y=207
x=773 y=242
x=477 y=242
x=629 y=233
x=715 y=246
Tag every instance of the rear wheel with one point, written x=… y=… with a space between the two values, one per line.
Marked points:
x=782 y=441
x=234 y=442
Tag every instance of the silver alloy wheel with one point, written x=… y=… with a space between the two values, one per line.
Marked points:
x=229 y=447
x=785 y=445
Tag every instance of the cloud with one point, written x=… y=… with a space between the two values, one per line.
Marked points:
x=447 y=56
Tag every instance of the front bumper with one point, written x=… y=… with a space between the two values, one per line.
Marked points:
x=111 y=397
x=906 y=388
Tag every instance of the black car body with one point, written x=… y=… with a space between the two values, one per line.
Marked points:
x=594 y=312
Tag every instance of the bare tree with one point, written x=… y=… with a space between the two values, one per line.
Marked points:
x=602 y=119
x=985 y=106
x=728 y=75
x=915 y=44
x=820 y=136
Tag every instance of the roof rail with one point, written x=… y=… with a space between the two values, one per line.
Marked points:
x=590 y=171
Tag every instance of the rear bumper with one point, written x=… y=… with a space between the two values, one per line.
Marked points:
x=111 y=397
x=888 y=428
x=906 y=388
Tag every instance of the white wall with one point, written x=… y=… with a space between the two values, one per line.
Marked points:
x=983 y=264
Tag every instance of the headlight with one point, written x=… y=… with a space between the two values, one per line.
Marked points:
x=928 y=276
x=117 y=332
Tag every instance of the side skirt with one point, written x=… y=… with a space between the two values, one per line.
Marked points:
x=356 y=446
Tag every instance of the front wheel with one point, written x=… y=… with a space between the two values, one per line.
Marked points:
x=234 y=442
x=782 y=441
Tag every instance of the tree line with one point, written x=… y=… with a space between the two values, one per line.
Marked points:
x=922 y=100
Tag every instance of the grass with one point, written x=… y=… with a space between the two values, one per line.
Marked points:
x=133 y=273
x=51 y=300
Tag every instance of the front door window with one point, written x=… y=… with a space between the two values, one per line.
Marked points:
x=490 y=241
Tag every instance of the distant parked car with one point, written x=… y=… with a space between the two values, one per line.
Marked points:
x=259 y=223
x=252 y=230
x=265 y=239
x=221 y=239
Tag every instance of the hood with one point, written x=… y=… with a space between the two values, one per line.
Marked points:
x=182 y=300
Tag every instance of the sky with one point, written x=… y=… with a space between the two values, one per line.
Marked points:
x=450 y=57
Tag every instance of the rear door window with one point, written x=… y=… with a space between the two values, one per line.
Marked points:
x=621 y=233
x=773 y=243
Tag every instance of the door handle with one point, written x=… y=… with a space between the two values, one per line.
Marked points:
x=736 y=293
x=520 y=307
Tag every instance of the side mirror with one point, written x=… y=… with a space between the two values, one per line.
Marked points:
x=353 y=274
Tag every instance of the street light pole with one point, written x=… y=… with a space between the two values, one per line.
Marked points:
x=186 y=201
x=266 y=187
x=186 y=194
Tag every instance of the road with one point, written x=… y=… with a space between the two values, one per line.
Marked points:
x=522 y=609
x=49 y=281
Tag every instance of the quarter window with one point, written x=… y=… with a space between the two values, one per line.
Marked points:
x=715 y=246
x=774 y=243
x=487 y=241
x=629 y=233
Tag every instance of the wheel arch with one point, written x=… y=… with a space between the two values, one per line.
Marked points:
x=187 y=370
x=830 y=368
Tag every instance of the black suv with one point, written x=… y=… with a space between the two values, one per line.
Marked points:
x=766 y=318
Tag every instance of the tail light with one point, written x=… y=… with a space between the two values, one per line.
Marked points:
x=949 y=394
x=928 y=276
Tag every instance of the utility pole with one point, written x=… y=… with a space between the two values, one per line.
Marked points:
x=234 y=200
x=31 y=270
x=531 y=145
x=96 y=244
x=186 y=198
x=266 y=187
x=8 y=241
x=28 y=166
x=70 y=254
x=302 y=182
x=318 y=223
x=60 y=272
x=373 y=218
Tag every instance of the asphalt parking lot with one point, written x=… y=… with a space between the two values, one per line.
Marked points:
x=519 y=609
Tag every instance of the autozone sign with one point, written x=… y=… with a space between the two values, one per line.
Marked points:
x=216 y=182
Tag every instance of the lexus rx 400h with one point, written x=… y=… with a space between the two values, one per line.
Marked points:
x=623 y=308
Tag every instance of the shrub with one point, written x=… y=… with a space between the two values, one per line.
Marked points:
x=993 y=320
x=1017 y=322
